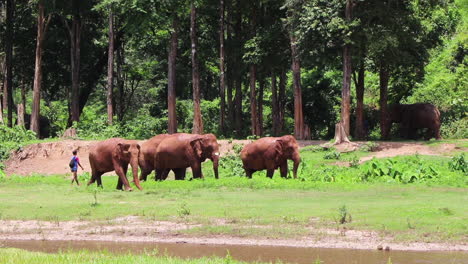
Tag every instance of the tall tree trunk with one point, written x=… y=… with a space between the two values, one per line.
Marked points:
x=384 y=121
x=346 y=90
x=274 y=105
x=238 y=66
x=360 y=131
x=296 y=69
x=42 y=25
x=222 y=82
x=120 y=60
x=110 y=69
x=197 y=117
x=3 y=89
x=8 y=91
x=171 y=93
x=253 y=99
x=1 y=113
x=74 y=31
x=282 y=100
x=229 y=73
x=260 y=107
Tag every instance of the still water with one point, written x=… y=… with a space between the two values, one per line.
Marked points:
x=250 y=253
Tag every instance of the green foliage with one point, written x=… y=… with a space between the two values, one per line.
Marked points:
x=459 y=163
x=233 y=164
x=454 y=128
x=369 y=146
x=13 y=138
x=413 y=170
x=343 y=215
x=333 y=154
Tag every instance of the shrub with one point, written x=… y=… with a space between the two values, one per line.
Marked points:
x=332 y=155
x=412 y=170
x=12 y=138
x=455 y=129
x=459 y=163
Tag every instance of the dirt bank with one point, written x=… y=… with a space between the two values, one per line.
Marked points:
x=135 y=229
x=52 y=157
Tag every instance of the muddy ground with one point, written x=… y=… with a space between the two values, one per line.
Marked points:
x=135 y=229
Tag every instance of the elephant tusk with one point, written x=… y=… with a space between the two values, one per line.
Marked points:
x=216 y=153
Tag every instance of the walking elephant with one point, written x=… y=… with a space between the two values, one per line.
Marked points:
x=148 y=154
x=180 y=151
x=415 y=116
x=269 y=153
x=114 y=155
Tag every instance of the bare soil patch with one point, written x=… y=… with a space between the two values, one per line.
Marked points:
x=135 y=229
x=51 y=158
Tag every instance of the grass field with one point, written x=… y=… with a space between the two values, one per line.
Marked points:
x=411 y=198
x=17 y=256
x=411 y=212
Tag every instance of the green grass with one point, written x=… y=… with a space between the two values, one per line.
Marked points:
x=414 y=212
x=17 y=256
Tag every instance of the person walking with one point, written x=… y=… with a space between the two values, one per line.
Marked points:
x=74 y=163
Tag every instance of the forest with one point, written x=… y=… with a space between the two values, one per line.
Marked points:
x=235 y=68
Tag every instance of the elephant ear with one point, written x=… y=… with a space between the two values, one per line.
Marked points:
x=197 y=146
x=123 y=147
x=279 y=148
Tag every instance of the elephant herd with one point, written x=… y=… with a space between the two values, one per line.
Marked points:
x=177 y=152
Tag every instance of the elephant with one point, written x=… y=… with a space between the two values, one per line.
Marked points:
x=415 y=116
x=270 y=153
x=114 y=155
x=147 y=155
x=180 y=151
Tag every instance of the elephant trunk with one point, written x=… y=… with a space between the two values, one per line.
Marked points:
x=215 y=165
x=296 y=159
x=134 y=164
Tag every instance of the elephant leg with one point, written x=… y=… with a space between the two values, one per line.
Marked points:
x=161 y=174
x=99 y=180
x=95 y=176
x=284 y=169
x=122 y=173
x=144 y=174
x=196 y=170
x=270 y=173
x=249 y=173
x=119 y=184
x=180 y=173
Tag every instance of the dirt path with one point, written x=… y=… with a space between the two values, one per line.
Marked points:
x=140 y=230
x=52 y=157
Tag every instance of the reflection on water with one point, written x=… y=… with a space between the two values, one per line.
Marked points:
x=250 y=253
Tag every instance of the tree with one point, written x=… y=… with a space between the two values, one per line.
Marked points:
x=346 y=91
x=75 y=27
x=222 y=81
x=296 y=75
x=197 y=117
x=8 y=85
x=275 y=106
x=110 y=68
x=42 y=25
x=171 y=92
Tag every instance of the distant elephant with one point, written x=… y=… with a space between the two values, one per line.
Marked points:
x=44 y=125
x=269 y=153
x=180 y=151
x=415 y=116
x=148 y=154
x=114 y=155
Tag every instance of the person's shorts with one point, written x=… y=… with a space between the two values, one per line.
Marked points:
x=74 y=170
